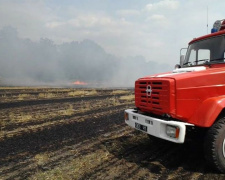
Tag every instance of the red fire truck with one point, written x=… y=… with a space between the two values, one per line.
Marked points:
x=190 y=98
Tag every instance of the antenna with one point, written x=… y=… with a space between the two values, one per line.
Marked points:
x=207 y=19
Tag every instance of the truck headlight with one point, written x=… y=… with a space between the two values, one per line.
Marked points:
x=172 y=131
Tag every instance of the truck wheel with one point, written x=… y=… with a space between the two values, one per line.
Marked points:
x=214 y=145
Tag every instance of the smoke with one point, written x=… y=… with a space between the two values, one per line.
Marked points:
x=28 y=63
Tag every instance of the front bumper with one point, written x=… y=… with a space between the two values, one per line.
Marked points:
x=155 y=127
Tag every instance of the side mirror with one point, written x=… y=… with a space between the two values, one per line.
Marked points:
x=177 y=66
x=182 y=57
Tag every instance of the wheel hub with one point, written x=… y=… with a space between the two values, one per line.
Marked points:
x=223 y=148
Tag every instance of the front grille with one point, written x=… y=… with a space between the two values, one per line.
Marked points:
x=153 y=95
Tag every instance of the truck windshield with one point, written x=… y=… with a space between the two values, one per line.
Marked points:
x=206 y=51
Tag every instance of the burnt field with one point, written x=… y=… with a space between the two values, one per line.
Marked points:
x=62 y=133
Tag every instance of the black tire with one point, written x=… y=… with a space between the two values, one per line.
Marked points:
x=214 y=145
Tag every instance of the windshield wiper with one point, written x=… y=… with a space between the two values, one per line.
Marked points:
x=217 y=59
x=201 y=60
x=187 y=63
x=196 y=62
x=207 y=61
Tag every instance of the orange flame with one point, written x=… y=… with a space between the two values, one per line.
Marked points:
x=79 y=83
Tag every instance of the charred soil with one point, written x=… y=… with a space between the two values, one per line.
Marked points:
x=51 y=133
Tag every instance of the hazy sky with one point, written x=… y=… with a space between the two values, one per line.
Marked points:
x=155 y=29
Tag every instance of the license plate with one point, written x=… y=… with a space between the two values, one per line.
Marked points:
x=141 y=127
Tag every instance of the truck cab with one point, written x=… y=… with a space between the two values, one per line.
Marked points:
x=192 y=96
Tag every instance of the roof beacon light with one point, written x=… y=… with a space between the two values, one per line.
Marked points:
x=218 y=26
x=222 y=25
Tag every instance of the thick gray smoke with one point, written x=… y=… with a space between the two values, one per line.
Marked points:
x=24 y=62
